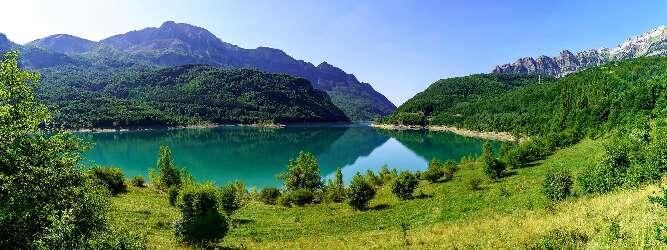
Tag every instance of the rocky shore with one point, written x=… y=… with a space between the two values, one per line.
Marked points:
x=499 y=136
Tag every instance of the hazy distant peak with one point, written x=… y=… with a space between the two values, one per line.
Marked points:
x=63 y=43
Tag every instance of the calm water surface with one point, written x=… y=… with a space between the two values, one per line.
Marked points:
x=256 y=155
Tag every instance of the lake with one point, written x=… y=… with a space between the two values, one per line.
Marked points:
x=255 y=155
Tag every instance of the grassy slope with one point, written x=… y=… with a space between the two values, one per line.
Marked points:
x=510 y=213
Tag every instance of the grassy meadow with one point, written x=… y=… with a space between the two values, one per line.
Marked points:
x=509 y=213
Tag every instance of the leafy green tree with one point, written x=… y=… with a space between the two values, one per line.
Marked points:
x=46 y=202
x=269 y=195
x=557 y=184
x=230 y=198
x=303 y=173
x=493 y=167
x=360 y=192
x=168 y=174
x=405 y=185
x=434 y=172
x=335 y=188
x=201 y=222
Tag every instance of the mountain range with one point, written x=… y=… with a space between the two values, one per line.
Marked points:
x=175 y=44
x=650 y=43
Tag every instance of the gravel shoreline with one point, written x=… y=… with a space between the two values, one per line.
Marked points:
x=499 y=136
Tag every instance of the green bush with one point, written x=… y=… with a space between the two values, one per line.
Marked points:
x=405 y=185
x=360 y=192
x=434 y=172
x=137 y=181
x=201 y=222
x=609 y=174
x=374 y=179
x=387 y=175
x=474 y=183
x=527 y=152
x=269 y=195
x=302 y=172
x=557 y=185
x=449 y=170
x=299 y=197
x=230 y=198
x=493 y=167
x=118 y=240
x=172 y=194
x=335 y=188
x=167 y=174
x=559 y=239
x=112 y=178
x=660 y=199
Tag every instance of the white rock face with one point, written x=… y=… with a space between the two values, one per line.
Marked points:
x=651 y=43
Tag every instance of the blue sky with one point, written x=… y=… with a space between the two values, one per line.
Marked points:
x=400 y=47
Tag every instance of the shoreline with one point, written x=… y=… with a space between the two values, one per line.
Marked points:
x=147 y=128
x=498 y=136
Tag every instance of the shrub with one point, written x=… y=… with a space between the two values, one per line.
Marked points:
x=360 y=192
x=373 y=179
x=230 y=198
x=168 y=174
x=137 y=181
x=609 y=174
x=335 y=188
x=117 y=239
x=474 y=183
x=172 y=194
x=434 y=172
x=200 y=221
x=302 y=172
x=557 y=185
x=299 y=197
x=112 y=178
x=559 y=239
x=387 y=175
x=660 y=199
x=404 y=185
x=449 y=170
x=493 y=167
x=527 y=152
x=269 y=195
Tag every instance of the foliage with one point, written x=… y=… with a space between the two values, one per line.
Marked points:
x=474 y=183
x=559 y=239
x=493 y=167
x=45 y=200
x=172 y=194
x=168 y=174
x=85 y=97
x=299 y=197
x=137 y=181
x=269 y=195
x=335 y=187
x=557 y=184
x=405 y=185
x=434 y=172
x=449 y=169
x=360 y=192
x=303 y=173
x=660 y=200
x=117 y=240
x=200 y=221
x=527 y=152
x=112 y=178
x=230 y=198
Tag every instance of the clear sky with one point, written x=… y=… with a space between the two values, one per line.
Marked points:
x=400 y=47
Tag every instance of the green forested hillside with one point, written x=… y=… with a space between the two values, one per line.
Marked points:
x=82 y=97
x=591 y=101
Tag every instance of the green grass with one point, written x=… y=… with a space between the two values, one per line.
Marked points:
x=509 y=213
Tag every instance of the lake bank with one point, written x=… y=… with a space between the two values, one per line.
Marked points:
x=498 y=136
x=149 y=128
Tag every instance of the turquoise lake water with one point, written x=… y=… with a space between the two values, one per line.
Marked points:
x=255 y=155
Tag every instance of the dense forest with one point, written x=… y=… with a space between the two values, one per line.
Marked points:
x=85 y=97
x=591 y=101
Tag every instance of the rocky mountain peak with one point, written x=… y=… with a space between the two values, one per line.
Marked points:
x=650 y=43
x=63 y=43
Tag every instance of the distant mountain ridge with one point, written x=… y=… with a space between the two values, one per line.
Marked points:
x=650 y=43
x=174 y=44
